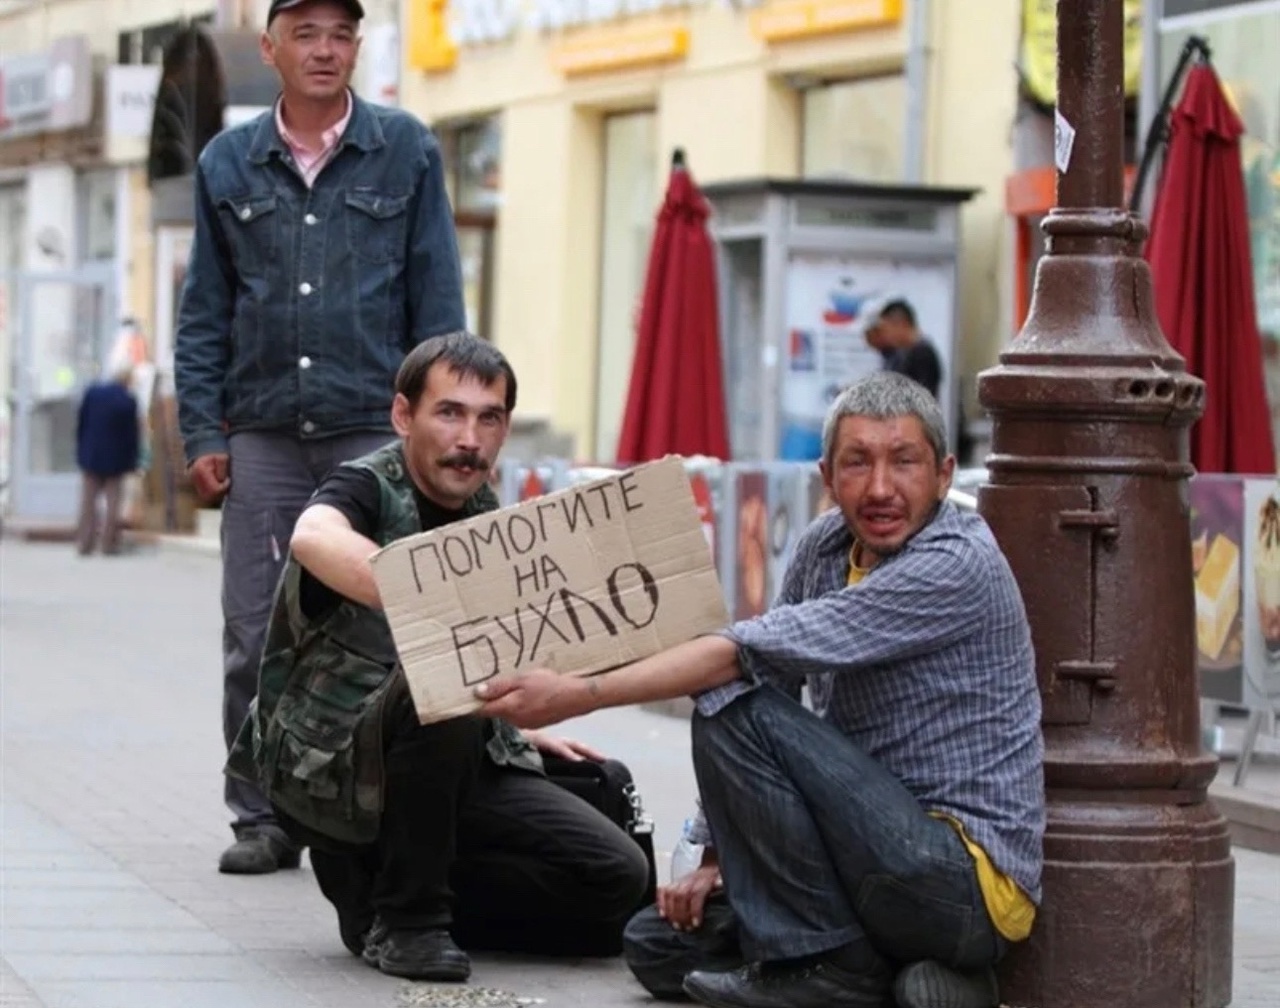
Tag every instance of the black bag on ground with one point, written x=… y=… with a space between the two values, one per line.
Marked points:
x=609 y=787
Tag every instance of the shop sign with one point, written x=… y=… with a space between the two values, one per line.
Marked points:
x=475 y=22
x=1201 y=8
x=1038 y=56
x=437 y=29
x=26 y=87
x=796 y=19
x=619 y=50
x=381 y=64
x=131 y=99
x=47 y=91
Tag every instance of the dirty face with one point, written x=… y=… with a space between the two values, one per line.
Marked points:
x=886 y=479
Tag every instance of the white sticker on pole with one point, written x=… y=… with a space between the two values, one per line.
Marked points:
x=1064 y=138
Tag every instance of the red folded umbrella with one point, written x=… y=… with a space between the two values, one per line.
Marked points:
x=1200 y=262
x=675 y=402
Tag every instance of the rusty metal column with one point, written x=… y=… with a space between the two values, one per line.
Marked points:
x=1088 y=498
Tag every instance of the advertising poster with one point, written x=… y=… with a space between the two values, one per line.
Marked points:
x=1217 y=536
x=825 y=349
x=1261 y=595
x=702 y=499
x=819 y=499
x=751 y=596
x=788 y=486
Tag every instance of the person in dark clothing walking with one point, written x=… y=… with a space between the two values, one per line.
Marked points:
x=891 y=328
x=107 y=442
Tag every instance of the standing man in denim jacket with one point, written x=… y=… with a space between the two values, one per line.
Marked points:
x=324 y=251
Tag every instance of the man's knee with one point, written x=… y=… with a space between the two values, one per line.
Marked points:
x=657 y=954
x=726 y=736
x=622 y=876
x=660 y=957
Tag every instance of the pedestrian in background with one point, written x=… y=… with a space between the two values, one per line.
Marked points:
x=324 y=251
x=891 y=328
x=107 y=448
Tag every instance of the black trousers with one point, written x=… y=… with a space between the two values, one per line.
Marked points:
x=504 y=858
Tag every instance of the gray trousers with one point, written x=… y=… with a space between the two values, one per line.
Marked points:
x=273 y=476
x=93 y=488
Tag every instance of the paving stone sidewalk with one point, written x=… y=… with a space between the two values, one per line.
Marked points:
x=111 y=819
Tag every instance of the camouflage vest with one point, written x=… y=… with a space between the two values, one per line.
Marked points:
x=313 y=737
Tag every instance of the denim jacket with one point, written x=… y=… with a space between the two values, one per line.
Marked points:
x=299 y=304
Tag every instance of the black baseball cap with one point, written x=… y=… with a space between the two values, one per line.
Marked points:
x=353 y=7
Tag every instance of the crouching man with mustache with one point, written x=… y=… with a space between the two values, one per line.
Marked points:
x=882 y=847
x=423 y=837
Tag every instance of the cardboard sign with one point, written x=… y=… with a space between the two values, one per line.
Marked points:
x=580 y=581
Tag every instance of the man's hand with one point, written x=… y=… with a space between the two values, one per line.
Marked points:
x=681 y=903
x=536 y=698
x=210 y=477
x=569 y=749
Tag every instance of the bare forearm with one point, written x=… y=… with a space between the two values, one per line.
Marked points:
x=338 y=558
x=683 y=670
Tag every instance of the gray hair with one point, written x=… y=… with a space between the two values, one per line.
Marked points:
x=886 y=395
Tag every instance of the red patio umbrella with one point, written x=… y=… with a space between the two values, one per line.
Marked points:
x=1199 y=257
x=675 y=402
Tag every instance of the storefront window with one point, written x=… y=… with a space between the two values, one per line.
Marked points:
x=476 y=150
x=855 y=129
x=98 y=198
x=473 y=165
x=630 y=202
x=12 y=226
x=1243 y=42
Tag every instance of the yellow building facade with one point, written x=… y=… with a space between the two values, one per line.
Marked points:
x=559 y=119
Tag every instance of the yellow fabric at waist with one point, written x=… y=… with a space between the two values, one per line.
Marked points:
x=1010 y=909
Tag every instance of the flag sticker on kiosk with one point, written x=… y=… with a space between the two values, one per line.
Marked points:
x=580 y=581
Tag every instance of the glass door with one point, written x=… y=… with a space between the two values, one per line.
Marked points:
x=62 y=340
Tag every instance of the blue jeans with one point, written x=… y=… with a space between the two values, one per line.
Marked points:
x=821 y=847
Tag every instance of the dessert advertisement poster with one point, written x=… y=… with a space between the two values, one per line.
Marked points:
x=751 y=595
x=1260 y=602
x=788 y=488
x=819 y=499
x=1217 y=527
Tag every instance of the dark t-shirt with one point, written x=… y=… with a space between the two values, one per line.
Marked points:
x=920 y=363
x=356 y=493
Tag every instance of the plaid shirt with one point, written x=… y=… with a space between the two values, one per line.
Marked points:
x=926 y=664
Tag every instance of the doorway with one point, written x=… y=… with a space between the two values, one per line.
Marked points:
x=65 y=320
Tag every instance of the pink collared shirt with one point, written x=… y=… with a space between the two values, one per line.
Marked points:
x=309 y=160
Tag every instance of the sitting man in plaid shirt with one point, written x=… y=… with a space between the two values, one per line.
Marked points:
x=887 y=844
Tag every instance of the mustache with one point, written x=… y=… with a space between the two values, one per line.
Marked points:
x=465 y=460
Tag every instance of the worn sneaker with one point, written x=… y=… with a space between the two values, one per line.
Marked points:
x=419 y=955
x=256 y=852
x=929 y=984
